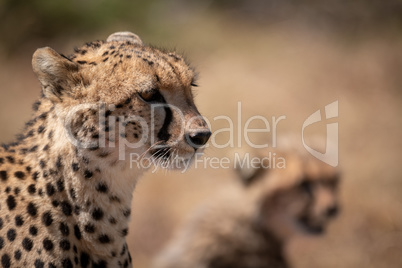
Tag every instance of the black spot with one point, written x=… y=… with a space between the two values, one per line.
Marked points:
x=31 y=209
x=47 y=218
x=89 y=228
x=11 y=234
x=55 y=203
x=40 y=192
x=5 y=261
x=102 y=187
x=75 y=249
x=1 y=242
x=43 y=116
x=11 y=202
x=19 y=221
x=123 y=250
x=16 y=191
x=84 y=259
x=1 y=223
x=60 y=185
x=52 y=265
x=127 y=101
x=66 y=208
x=105 y=53
x=32 y=189
x=76 y=260
x=33 y=148
x=20 y=175
x=36 y=105
x=30 y=133
x=39 y=263
x=67 y=263
x=105 y=59
x=88 y=174
x=28 y=169
x=127 y=213
x=104 y=239
x=17 y=255
x=97 y=214
x=1 y=160
x=75 y=166
x=112 y=220
x=77 y=210
x=100 y=264
x=33 y=230
x=3 y=175
x=42 y=164
x=124 y=232
x=47 y=244
x=27 y=244
x=35 y=176
x=77 y=232
x=64 y=229
x=81 y=61
x=8 y=189
x=50 y=135
x=10 y=159
x=41 y=129
x=50 y=189
x=65 y=244
x=58 y=162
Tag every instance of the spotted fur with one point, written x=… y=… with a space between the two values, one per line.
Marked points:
x=65 y=199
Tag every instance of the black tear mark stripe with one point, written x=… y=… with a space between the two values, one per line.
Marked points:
x=163 y=133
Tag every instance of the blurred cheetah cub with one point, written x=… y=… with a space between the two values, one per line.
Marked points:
x=249 y=223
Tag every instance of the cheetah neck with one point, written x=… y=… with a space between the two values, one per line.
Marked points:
x=91 y=195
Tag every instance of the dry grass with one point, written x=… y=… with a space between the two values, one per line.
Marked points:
x=280 y=70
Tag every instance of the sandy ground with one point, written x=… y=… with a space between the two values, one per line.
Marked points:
x=276 y=71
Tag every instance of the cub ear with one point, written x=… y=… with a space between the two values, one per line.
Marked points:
x=56 y=73
x=125 y=36
x=248 y=171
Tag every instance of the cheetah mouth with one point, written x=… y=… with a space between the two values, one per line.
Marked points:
x=170 y=158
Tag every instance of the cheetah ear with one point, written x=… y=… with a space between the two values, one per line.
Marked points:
x=125 y=36
x=248 y=171
x=56 y=73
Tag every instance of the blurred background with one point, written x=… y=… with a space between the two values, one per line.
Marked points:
x=277 y=58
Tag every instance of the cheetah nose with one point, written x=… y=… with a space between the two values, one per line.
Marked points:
x=198 y=139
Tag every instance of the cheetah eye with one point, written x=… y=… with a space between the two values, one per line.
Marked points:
x=306 y=186
x=151 y=96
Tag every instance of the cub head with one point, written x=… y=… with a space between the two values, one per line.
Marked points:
x=294 y=192
x=118 y=98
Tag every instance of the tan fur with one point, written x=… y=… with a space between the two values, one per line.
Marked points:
x=247 y=225
x=65 y=199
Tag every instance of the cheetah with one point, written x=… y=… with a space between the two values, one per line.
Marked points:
x=66 y=184
x=249 y=223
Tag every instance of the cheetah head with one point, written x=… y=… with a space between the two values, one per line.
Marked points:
x=118 y=98
x=298 y=197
